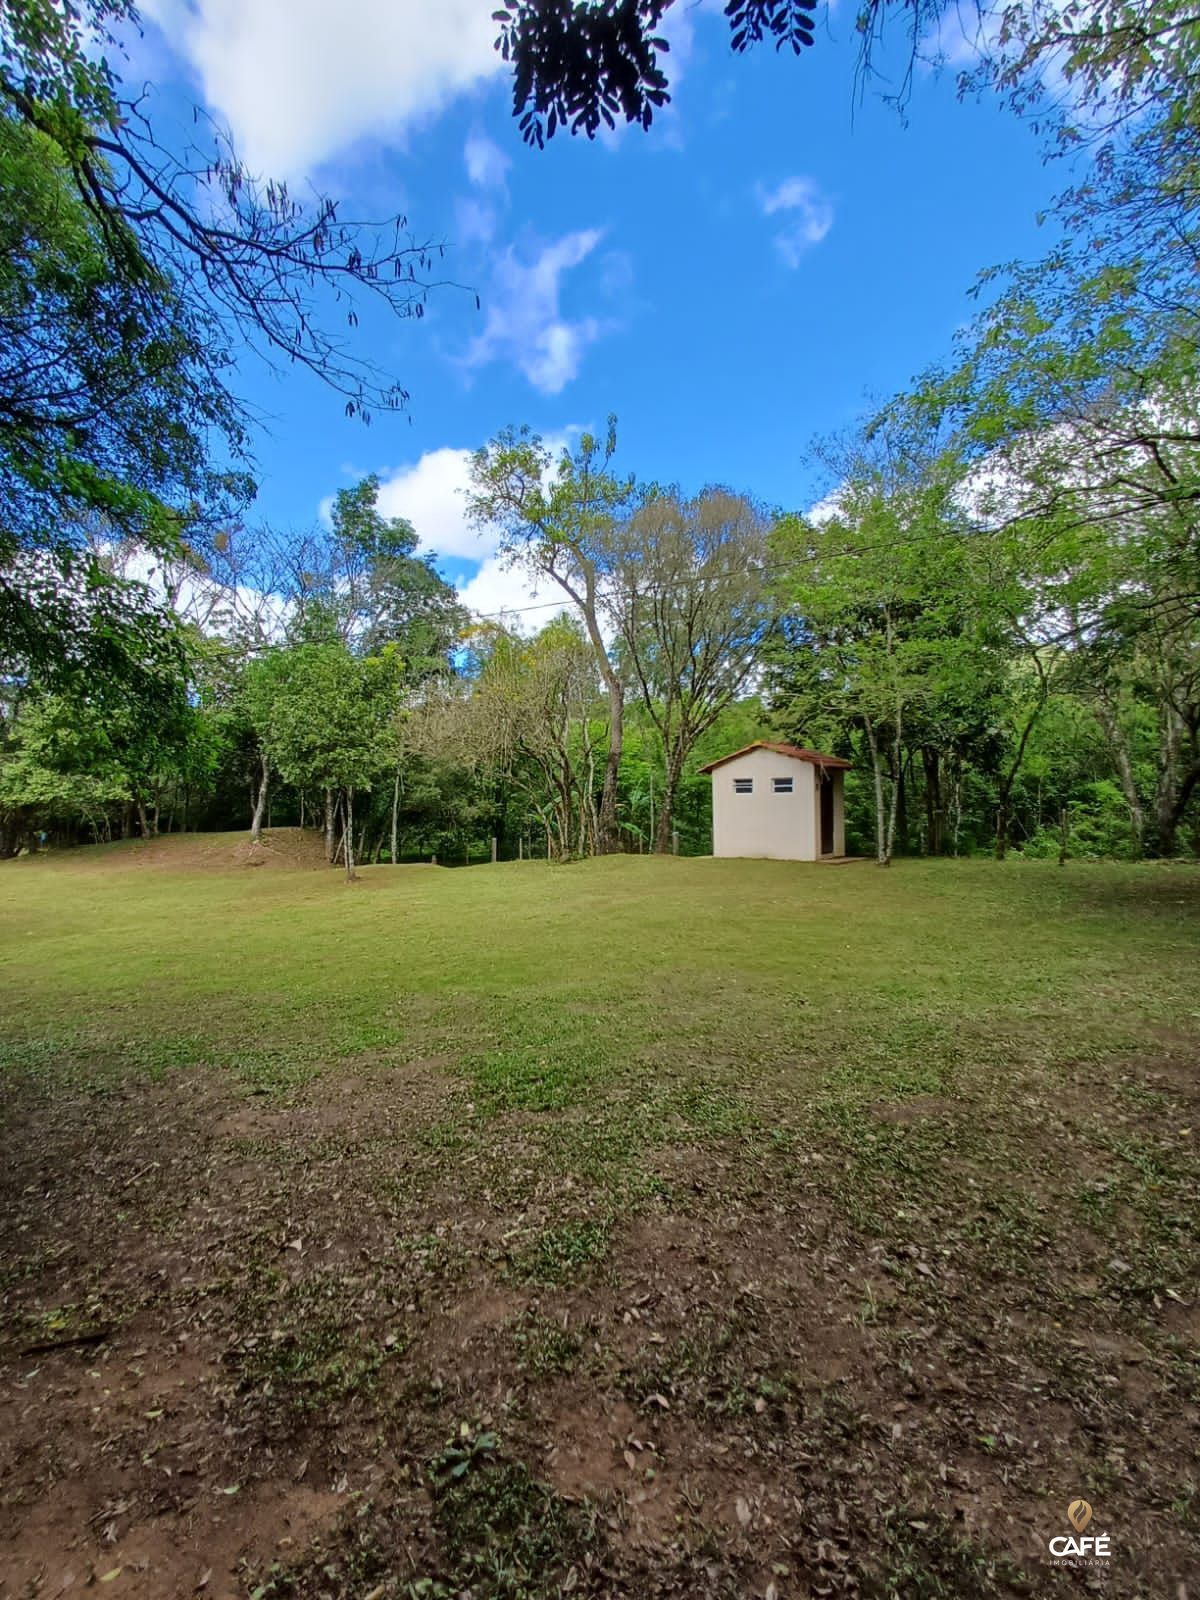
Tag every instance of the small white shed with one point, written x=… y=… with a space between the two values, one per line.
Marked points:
x=779 y=801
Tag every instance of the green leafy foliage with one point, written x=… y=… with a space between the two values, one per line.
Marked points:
x=501 y=1529
x=323 y=714
x=111 y=402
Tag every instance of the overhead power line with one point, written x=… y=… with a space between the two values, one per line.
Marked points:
x=767 y=570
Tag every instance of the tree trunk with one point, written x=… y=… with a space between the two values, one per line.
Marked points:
x=330 y=843
x=1002 y=824
x=348 y=842
x=143 y=823
x=607 y=839
x=955 y=803
x=1170 y=796
x=607 y=833
x=260 y=804
x=900 y=794
x=589 y=831
x=1003 y=809
x=935 y=840
x=396 y=819
x=880 y=823
x=1182 y=795
x=666 y=814
x=897 y=792
x=887 y=836
x=1106 y=716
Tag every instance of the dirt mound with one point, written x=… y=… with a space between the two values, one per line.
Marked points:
x=281 y=847
x=290 y=848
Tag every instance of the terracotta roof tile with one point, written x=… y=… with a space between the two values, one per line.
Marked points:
x=795 y=751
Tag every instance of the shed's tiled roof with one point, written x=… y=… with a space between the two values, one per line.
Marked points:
x=797 y=753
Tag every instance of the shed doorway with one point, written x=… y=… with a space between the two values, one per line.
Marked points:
x=826 y=788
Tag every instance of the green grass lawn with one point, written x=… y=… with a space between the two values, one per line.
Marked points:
x=631 y=1227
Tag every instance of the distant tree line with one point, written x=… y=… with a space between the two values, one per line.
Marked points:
x=1005 y=644
x=994 y=611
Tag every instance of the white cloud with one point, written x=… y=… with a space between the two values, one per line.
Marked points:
x=525 y=324
x=500 y=587
x=474 y=221
x=524 y=321
x=431 y=493
x=214 y=604
x=826 y=508
x=486 y=162
x=477 y=216
x=299 y=81
x=807 y=214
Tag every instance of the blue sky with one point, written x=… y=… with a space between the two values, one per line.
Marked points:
x=775 y=253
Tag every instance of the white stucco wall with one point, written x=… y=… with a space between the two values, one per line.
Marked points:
x=780 y=827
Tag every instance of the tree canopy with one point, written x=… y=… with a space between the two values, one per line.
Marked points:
x=247 y=250
x=583 y=66
x=131 y=274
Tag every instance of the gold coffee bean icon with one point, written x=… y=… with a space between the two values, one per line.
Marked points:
x=1079 y=1514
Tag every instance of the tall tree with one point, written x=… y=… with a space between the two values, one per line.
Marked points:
x=324 y=719
x=360 y=583
x=690 y=599
x=556 y=516
x=897 y=612
x=364 y=581
x=100 y=766
x=107 y=406
x=1074 y=404
x=526 y=714
x=129 y=272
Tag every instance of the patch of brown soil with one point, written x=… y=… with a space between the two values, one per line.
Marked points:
x=916 y=1109
x=586 y=1455
x=381 y=1100
x=70 y=1545
x=301 y=1303
x=291 y=849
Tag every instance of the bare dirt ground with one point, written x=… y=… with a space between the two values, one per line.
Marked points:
x=245 y=1349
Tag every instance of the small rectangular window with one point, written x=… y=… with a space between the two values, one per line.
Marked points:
x=782 y=785
x=743 y=786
